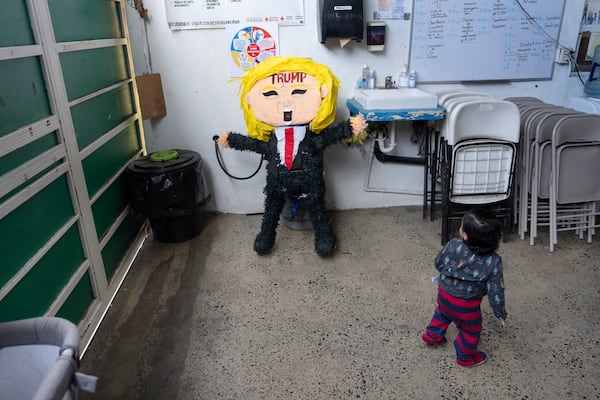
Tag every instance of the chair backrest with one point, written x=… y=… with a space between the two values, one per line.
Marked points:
x=577 y=127
x=452 y=103
x=531 y=116
x=576 y=158
x=483 y=119
x=523 y=100
x=541 y=144
x=484 y=133
x=576 y=170
x=460 y=94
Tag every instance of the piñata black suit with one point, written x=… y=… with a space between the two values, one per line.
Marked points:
x=304 y=178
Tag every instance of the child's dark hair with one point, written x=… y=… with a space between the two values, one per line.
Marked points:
x=483 y=230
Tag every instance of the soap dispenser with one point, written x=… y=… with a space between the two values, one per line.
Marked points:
x=412 y=79
x=403 y=78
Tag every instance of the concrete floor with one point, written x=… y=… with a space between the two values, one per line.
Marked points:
x=210 y=319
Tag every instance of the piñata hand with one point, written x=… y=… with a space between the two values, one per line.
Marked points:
x=359 y=124
x=223 y=139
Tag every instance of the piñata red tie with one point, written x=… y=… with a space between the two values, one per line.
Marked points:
x=289 y=147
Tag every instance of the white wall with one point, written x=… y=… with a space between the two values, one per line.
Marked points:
x=202 y=103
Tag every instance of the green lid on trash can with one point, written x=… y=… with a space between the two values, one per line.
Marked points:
x=164 y=155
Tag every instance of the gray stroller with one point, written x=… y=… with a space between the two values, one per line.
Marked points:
x=39 y=359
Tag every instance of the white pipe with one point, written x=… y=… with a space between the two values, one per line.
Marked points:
x=380 y=138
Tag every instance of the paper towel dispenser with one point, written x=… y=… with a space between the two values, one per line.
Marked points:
x=341 y=19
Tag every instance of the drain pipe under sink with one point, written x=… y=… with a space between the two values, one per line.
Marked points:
x=381 y=133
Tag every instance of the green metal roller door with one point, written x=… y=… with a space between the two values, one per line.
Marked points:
x=69 y=125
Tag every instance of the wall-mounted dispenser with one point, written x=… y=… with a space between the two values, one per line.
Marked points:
x=375 y=35
x=341 y=19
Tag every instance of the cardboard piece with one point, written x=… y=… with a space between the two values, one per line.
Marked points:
x=150 y=92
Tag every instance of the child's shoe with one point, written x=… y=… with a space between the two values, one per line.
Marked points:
x=479 y=358
x=429 y=340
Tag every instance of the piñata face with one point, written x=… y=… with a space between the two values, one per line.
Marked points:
x=286 y=98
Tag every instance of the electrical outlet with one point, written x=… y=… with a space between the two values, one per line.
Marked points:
x=563 y=55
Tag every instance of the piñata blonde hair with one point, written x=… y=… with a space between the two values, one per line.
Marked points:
x=276 y=64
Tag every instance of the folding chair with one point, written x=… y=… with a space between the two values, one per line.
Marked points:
x=574 y=179
x=447 y=99
x=536 y=177
x=478 y=160
x=526 y=106
x=534 y=113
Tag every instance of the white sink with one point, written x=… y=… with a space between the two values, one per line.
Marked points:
x=395 y=99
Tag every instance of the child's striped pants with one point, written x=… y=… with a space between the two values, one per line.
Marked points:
x=466 y=315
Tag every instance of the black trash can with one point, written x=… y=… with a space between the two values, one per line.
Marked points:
x=169 y=188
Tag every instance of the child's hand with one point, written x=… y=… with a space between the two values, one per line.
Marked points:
x=505 y=321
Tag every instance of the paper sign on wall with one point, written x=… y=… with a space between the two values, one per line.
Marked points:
x=389 y=9
x=251 y=44
x=200 y=14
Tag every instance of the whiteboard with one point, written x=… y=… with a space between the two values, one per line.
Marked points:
x=484 y=40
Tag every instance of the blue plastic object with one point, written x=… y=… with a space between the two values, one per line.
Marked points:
x=592 y=86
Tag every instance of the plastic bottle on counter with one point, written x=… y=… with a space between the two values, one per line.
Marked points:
x=403 y=78
x=365 y=76
x=412 y=79
x=371 y=80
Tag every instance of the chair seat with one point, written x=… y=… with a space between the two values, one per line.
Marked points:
x=482 y=171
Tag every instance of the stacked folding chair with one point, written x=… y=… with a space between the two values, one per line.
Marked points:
x=477 y=156
x=545 y=196
x=574 y=181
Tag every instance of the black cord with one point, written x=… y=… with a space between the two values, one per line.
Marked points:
x=222 y=164
x=533 y=20
x=577 y=70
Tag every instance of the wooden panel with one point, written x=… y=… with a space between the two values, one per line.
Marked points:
x=150 y=92
x=104 y=163
x=34 y=294
x=24 y=231
x=85 y=20
x=23 y=97
x=15 y=29
x=97 y=116
x=87 y=71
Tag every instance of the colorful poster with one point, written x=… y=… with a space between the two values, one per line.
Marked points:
x=590 y=29
x=251 y=44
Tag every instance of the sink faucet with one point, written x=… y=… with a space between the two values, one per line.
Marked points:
x=389 y=84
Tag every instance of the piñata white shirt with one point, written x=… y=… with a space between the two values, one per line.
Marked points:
x=299 y=134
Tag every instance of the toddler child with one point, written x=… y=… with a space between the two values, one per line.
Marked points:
x=469 y=269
